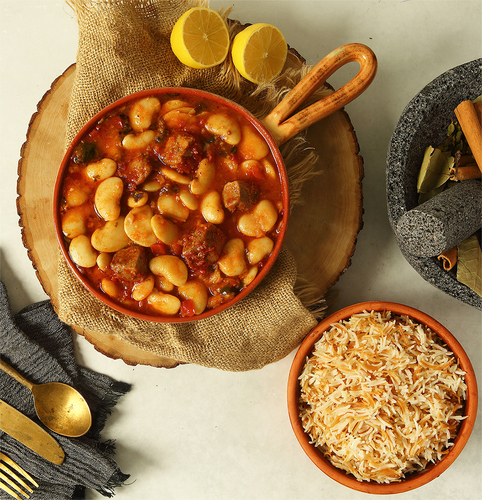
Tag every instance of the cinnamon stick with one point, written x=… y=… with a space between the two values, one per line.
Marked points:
x=464 y=172
x=478 y=110
x=449 y=258
x=464 y=168
x=461 y=160
x=472 y=128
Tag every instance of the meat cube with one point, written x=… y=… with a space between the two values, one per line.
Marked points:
x=177 y=146
x=238 y=195
x=130 y=264
x=136 y=171
x=202 y=247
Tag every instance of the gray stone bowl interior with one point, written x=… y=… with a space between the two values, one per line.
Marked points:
x=424 y=123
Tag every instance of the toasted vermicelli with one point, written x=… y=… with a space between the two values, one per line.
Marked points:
x=381 y=396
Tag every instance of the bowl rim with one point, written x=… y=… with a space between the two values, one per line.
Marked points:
x=400 y=183
x=417 y=479
x=161 y=91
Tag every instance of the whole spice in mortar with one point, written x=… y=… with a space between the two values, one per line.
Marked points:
x=458 y=162
x=471 y=126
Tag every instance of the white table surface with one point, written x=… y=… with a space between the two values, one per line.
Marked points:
x=197 y=433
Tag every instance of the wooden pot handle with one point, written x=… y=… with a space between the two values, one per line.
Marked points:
x=282 y=126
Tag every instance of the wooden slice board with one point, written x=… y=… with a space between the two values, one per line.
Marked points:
x=322 y=230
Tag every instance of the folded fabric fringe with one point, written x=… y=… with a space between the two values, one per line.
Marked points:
x=124 y=48
x=41 y=348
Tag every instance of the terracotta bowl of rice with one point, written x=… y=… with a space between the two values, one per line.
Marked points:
x=381 y=397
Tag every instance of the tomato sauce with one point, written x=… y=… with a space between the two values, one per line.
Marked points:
x=198 y=212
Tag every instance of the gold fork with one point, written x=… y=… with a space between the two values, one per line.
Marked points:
x=13 y=483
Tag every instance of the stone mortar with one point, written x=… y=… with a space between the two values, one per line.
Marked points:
x=424 y=123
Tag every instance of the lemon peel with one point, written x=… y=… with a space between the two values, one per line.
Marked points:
x=259 y=52
x=200 y=38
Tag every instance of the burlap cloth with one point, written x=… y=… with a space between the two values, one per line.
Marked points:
x=124 y=47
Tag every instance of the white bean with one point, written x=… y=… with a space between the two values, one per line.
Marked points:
x=164 y=284
x=152 y=186
x=258 y=249
x=103 y=261
x=81 y=251
x=173 y=104
x=252 y=146
x=165 y=230
x=188 y=199
x=204 y=177
x=232 y=261
x=75 y=196
x=224 y=126
x=248 y=278
x=180 y=118
x=111 y=237
x=137 y=226
x=171 y=267
x=270 y=170
x=212 y=208
x=107 y=198
x=170 y=206
x=164 y=303
x=259 y=221
x=196 y=291
x=109 y=287
x=252 y=167
x=133 y=141
x=184 y=109
x=142 y=113
x=73 y=222
x=137 y=199
x=175 y=176
x=101 y=169
x=142 y=289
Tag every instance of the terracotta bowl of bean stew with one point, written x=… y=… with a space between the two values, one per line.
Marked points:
x=172 y=204
x=382 y=397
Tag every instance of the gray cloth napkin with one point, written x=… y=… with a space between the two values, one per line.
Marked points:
x=38 y=345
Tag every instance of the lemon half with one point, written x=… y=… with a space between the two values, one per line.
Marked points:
x=259 y=52
x=200 y=38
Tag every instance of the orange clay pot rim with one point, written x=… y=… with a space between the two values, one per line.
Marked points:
x=414 y=480
x=159 y=92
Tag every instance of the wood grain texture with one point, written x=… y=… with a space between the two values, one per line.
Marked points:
x=321 y=234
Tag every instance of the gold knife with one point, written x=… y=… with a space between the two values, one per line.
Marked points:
x=30 y=434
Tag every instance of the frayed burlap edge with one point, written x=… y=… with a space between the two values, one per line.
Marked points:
x=299 y=160
x=224 y=341
x=260 y=100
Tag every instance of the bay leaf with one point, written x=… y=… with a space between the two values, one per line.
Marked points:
x=423 y=197
x=469 y=264
x=435 y=169
x=450 y=129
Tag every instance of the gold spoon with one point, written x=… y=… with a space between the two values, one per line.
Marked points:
x=59 y=406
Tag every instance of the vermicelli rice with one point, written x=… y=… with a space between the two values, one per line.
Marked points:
x=381 y=397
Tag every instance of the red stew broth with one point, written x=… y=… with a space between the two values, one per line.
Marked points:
x=180 y=144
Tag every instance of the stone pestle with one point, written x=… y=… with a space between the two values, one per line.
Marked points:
x=444 y=221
